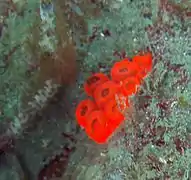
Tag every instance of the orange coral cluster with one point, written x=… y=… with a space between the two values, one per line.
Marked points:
x=101 y=114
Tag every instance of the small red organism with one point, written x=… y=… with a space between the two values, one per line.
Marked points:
x=93 y=82
x=96 y=127
x=123 y=69
x=130 y=86
x=105 y=92
x=83 y=110
x=144 y=63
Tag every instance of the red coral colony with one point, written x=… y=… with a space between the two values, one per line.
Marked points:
x=102 y=113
